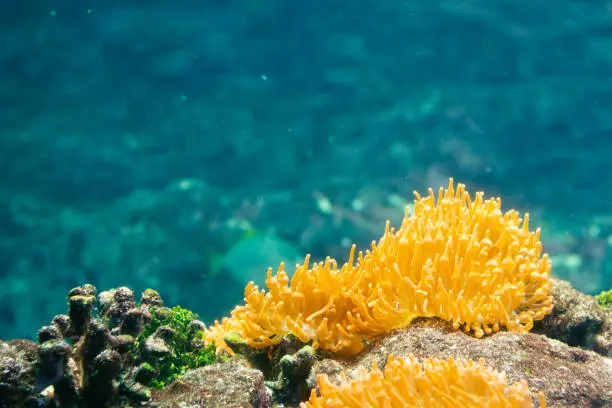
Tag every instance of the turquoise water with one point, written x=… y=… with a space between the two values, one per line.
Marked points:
x=186 y=145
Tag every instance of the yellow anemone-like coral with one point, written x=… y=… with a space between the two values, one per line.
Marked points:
x=458 y=259
x=434 y=383
x=313 y=307
x=455 y=258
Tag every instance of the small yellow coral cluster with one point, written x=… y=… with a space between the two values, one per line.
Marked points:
x=435 y=383
x=455 y=258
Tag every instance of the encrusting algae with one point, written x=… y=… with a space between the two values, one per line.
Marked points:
x=453 y=257
x=431 y=383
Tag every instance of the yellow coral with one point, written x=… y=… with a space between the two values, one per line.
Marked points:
x=459 y=259
x=313 y=307
x=435 y=383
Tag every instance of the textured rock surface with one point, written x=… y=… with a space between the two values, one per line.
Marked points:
x=577 y=320
x=17 y=370
x=227 y=385
x=568 y=376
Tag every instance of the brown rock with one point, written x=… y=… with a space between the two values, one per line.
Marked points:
x=221 y=385
x=568 y=376
x=577 y=320
x=17 y=370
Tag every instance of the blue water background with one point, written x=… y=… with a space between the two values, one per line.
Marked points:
x=188 y=145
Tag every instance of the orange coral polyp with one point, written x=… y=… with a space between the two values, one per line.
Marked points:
x=462 y=260
x=433 y=382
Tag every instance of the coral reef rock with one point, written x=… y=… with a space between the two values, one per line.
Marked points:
x=228 y=385
x=577 y=320
x=568 y=376
x=17 y=371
